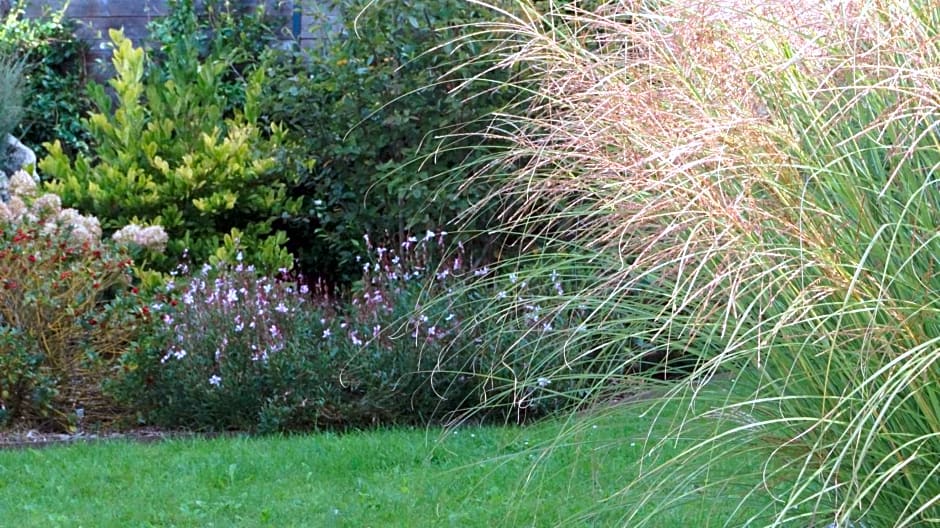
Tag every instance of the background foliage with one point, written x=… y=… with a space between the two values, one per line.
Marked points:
x=377 y=108
x=55 y=78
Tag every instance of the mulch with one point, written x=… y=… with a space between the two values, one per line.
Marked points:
x=34 y=439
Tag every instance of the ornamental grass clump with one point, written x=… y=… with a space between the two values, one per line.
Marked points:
x=12 y=88
x=767 y=172
x=68 y=311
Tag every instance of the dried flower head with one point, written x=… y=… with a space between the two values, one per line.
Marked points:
x=151 y=237
x=80 y=235
x=6 y=215
x=47 y=205
x=17 y=208
x=22 y=184
x=90 y=224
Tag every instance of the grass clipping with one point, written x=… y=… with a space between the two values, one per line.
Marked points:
x=772 y=167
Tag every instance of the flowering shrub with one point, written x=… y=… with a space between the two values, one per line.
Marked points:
x=241 y=351
x=67 y=310
x=216 y=358
x=236 y=350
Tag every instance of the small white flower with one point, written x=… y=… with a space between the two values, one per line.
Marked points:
x=215 y=380
x=543 y=382
x=327 y=333
x=280 y=308
x=513 y=278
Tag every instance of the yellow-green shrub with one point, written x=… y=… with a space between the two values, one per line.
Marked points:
x=166 y=154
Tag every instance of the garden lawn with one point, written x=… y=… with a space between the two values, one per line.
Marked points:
x=471 y=476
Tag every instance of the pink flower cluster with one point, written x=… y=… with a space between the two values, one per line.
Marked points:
x=234 y=311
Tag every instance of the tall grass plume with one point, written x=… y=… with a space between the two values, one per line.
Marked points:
x=751 y=188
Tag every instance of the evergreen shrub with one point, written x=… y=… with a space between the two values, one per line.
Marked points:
x=166 y=154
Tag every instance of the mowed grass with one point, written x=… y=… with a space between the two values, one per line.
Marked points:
x=470 y=476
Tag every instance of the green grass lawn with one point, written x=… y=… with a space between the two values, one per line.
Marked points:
x=472 y=476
